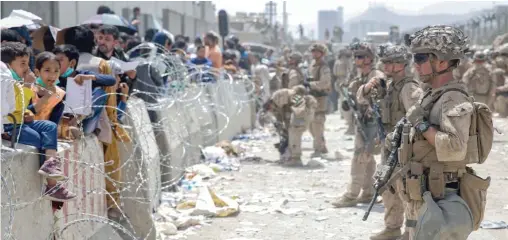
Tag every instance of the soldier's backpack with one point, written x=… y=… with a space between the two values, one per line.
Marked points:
x=481 y=130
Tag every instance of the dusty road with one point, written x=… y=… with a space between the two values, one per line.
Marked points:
x=309 y=214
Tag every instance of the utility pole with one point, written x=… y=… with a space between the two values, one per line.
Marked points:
x=284 y=20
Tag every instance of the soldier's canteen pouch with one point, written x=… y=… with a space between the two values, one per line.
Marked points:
x=473 y=190
x=449 y=218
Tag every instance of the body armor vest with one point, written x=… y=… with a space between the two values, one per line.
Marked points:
x=392 y=108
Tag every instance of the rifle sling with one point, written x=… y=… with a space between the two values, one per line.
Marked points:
x=401 y=172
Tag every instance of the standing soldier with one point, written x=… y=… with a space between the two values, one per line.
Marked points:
x=445 y=132
x=500 y=56
x=320 y=86
x=294 y=74
x=480 y=80
x=343 y=67
x=363 y=164
x=294 y=110
x=402 y=93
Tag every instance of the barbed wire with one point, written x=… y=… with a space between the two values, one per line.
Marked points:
x=191 y=102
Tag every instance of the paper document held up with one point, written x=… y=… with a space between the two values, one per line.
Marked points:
x=79 y=98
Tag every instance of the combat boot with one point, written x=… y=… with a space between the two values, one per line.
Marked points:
x=387 y=234
x=344 y=202
x=293 y=162
x=365 y=198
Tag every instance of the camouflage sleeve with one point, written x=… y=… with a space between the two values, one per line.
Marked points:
x=453 y=135
x=325 y=80
x=410 y=94
x=363 y=96
x=281 y=97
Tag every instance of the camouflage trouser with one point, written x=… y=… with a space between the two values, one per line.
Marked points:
x=295 y=141
x=363 y=167
x=317 y=130
x=394 y=206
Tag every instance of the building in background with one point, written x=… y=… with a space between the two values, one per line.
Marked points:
x=327 y=21
x=190 y=18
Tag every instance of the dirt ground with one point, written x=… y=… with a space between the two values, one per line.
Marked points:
x=309 y=214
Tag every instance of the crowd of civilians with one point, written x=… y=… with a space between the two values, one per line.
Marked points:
x=39 y=67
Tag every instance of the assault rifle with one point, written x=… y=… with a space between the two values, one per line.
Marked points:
x=350 y=103
x=393 y=160
x=377 y=115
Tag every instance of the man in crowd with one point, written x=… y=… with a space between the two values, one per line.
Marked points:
x=110 y=132
x=213 y=51
x=108 y=42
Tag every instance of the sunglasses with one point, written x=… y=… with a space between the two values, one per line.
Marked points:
x=359 y=56
x=420 y=58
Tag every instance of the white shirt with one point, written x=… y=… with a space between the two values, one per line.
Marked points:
x=6 y=92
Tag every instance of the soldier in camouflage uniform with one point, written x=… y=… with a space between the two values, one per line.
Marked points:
x=319 y=86
x=294 y=74
x=402 y=92
x=501 y=73
x=342 y=70
x=363 y=164
x=294 y=110
x=480 y=80
x=435 y=148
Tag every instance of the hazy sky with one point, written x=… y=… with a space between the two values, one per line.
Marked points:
x=305 y=11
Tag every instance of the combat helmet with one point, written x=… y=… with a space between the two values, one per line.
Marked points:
x=296 y=56
x=480 y=56
x=319 y=47
x=393 y=53
x=446 y=42
x=362 y=48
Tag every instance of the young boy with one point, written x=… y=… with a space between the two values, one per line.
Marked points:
x=68 y=55
x=40 y=134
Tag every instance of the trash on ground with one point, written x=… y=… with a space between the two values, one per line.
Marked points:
x=493 y=224
x=166 y=228
x=322 y=218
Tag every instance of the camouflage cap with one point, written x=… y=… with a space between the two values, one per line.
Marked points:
x=393 y=53
x=297 y=56
x=446 y=42
x=481 y=56
x=319 y=47
x=362 y=48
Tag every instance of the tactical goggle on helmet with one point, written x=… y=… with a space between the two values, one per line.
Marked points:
x=445 y=42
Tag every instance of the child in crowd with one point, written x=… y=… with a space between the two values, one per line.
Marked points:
x=41 y=134
x=68 y=55
x=47 y=70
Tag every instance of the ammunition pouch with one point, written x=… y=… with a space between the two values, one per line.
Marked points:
x=473 y=190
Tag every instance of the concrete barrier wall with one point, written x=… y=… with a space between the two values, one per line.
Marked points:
x=157 y=156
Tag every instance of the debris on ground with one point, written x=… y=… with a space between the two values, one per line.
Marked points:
x=493 y=224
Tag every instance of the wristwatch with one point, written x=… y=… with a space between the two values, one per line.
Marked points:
x=422 y=127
